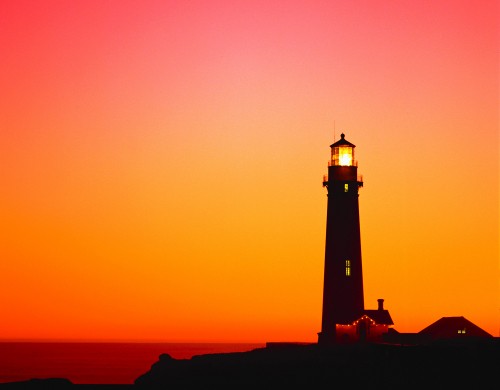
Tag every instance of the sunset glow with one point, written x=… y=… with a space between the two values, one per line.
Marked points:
x=162 y=164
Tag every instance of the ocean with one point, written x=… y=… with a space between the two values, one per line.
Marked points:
x=96 y=363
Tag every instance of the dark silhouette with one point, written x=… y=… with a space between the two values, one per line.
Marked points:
x=345 y=319
x=49 y=383
x=453 y=328
x=442 y=364
x=474 y=364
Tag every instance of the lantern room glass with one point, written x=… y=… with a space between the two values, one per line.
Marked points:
x=343 y=155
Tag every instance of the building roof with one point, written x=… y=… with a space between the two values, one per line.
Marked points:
x=380 y=316
x=450 y=327
x=342 y=142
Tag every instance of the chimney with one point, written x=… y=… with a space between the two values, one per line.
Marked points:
x=380 y=304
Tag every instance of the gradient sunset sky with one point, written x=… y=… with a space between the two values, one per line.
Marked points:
x=162 y=163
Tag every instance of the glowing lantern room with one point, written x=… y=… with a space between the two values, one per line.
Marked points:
x=343 y=153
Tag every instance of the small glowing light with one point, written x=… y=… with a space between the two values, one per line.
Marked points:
x=345 y=155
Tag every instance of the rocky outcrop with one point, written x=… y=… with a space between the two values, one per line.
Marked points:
x=35 y=383
x=440 y=365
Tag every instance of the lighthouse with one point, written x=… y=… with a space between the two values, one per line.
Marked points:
x=343 y=301
x=345 y=320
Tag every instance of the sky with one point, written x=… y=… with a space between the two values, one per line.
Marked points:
x=162 y=161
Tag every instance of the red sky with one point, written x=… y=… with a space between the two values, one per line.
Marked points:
x=161 y=164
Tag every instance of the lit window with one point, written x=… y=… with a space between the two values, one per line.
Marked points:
x=348 y=268
x=461 y=331
x=346 y=187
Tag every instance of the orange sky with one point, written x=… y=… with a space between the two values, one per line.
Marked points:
x=161 y=164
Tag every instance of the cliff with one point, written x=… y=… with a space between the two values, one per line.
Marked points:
x=441 y=365
x=471 y=363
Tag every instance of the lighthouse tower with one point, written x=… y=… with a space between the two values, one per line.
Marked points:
x=343 y=301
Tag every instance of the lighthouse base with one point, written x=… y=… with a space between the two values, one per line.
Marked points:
x=327 y=338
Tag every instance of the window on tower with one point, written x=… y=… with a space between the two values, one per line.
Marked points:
x=348 y=268
x=346 y=187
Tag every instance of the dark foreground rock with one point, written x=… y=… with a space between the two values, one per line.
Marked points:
x=474 y=364
x=49 y=383
x=56 y=384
